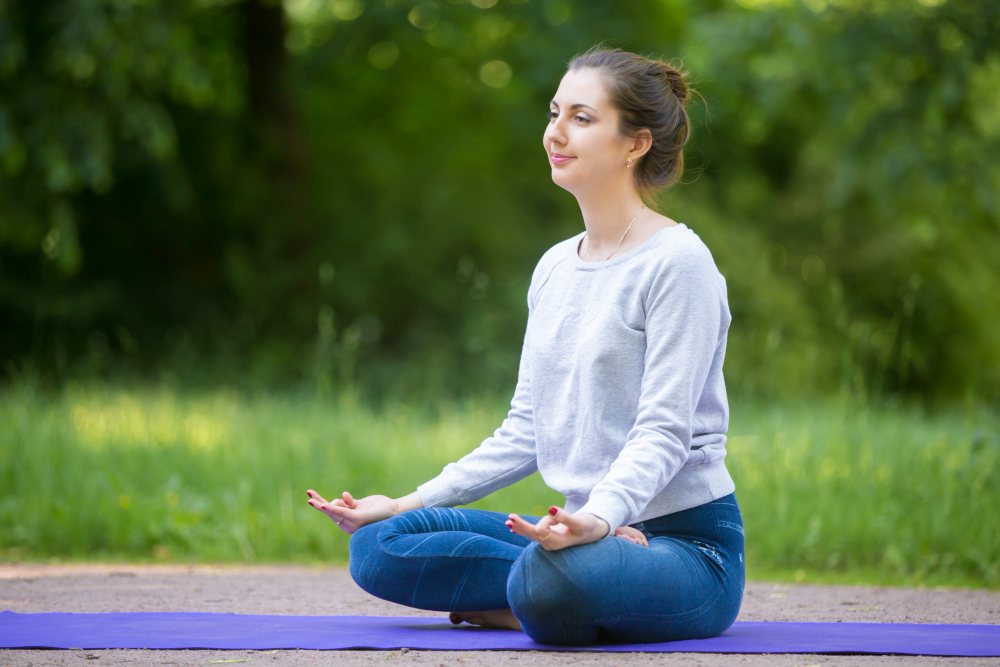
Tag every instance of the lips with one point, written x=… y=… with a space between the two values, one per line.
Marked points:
x=557 y=158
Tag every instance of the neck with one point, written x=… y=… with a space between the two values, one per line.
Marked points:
x=606 y=216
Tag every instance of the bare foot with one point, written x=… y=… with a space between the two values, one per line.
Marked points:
x=491 y=618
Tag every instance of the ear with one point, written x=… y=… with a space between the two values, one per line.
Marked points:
x=641 y=143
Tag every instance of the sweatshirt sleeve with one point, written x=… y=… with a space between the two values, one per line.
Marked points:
x=501 y=459
x=686 y=321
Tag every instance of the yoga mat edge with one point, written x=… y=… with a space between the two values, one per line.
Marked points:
x=205 y=630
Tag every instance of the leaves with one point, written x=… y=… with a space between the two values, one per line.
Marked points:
x=159 y=174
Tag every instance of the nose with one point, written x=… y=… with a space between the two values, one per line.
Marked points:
x=554 y=138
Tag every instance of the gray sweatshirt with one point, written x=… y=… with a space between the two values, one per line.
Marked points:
x=620 y=401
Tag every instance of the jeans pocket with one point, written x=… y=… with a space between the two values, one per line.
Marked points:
x=729 y=525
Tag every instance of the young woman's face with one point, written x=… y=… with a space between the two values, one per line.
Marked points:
x=587 y=134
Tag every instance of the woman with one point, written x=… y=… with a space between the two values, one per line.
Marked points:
x=620 y=404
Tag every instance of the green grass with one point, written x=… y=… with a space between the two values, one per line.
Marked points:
x=831 y=491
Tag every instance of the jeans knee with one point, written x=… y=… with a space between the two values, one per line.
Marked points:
x=362 y=549
x=543 y=597
x=539 y=586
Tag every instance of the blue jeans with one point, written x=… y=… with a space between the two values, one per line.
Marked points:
x=688 y=583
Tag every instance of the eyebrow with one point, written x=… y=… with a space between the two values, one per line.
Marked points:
x=575 y=106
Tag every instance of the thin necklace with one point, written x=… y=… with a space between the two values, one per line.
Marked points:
x=587 y=236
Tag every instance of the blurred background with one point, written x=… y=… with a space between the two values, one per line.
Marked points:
x=249 y=248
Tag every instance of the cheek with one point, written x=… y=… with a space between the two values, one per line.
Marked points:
x=598 y=145
x=587 y=143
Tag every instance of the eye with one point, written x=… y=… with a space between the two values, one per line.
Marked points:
x=552 y=114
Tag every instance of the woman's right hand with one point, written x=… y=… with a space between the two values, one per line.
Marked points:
x=355 y=513
x=632 y=535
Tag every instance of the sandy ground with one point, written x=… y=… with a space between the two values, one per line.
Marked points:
x=303 y=590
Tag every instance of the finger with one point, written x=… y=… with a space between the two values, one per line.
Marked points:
x=346 y=525
x=544 y=526
x=560 y=515
x=345 y=501
x=531 y=530
x=315 y=496
x=320 y=505
x=315 y=504
x=336 y=513
x=348 y=513
x=521 y=527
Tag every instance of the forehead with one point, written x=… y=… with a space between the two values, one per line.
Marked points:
x=583 y=86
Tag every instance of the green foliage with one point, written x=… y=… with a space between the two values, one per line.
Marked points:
x=366 y=201
x=856 y=141
x=84 y=82
x=93 y=97
x=852 y=488
x=827 y=489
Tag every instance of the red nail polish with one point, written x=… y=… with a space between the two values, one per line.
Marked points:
x=553 y=510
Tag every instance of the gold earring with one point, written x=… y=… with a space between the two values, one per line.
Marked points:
x=629 y=163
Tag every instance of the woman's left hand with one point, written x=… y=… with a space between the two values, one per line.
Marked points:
x=560 y=529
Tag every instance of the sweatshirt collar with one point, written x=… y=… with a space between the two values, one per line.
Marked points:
x=584 y=265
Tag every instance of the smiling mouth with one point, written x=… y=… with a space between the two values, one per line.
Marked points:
x=559 y=158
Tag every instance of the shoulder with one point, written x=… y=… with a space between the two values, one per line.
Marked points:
x=681 y=266
x=682 y=251
x=550 y=259
x=558 y=252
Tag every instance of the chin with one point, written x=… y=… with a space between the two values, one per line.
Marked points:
x=569 y=184
x=565 y=186
x=561 y=179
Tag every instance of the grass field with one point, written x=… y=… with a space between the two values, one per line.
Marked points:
x=831 y=491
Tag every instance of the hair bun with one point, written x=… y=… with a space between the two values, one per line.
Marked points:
x=675 y=78
x=648 y=94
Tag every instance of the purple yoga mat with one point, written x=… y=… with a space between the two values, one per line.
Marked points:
x=189 y=630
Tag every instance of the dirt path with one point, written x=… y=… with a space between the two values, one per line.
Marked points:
x=303 y=590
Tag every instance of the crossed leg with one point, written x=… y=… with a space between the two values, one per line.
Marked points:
x=617 y=591
x=439 y=558
x=465 y=560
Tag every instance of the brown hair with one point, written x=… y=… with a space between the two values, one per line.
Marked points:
x=651 y=94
